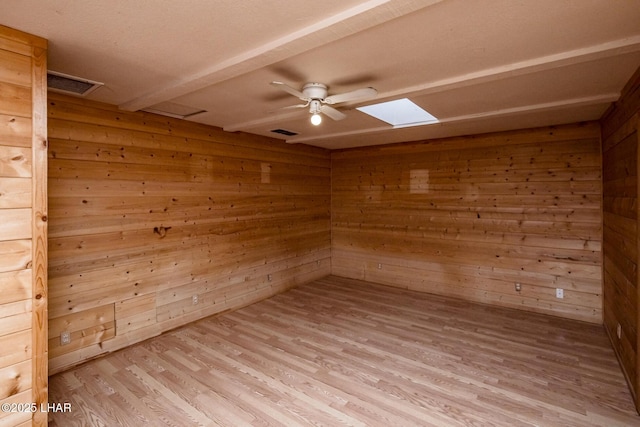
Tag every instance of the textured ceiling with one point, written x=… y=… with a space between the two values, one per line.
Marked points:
x=479 y=66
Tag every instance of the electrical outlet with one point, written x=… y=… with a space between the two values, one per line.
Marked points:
x=379 y=266
x=194 y=299
x=518 y=287
x=619 y=331
x=559 y=293
x=268 y=277
x=65 y=338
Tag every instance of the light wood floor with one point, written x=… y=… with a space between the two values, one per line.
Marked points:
x=342 y=352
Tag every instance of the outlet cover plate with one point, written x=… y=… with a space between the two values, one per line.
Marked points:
x=65 y=337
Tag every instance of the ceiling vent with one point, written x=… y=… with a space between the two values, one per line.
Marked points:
x=64 y=83
x=284 y=132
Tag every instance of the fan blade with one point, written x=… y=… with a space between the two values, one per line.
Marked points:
x=290 y=90
x=295 y=106
x=359 y=94
x=290 y=107
x=332 y=112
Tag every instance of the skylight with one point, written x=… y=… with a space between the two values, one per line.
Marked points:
x=399 y=113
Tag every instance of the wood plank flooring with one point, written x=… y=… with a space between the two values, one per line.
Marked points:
x=344 y=352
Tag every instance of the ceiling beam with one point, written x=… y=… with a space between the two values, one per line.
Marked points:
x=272 y=118
x=350 y=21
x=526 y=109
x=521 y=68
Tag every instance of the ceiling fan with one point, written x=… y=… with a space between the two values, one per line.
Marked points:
x=315 y=97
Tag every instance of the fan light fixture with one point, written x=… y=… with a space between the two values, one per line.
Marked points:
x=316 y=119
x=314 y=108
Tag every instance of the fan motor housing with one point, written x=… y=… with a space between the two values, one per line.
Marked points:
x=315 y=90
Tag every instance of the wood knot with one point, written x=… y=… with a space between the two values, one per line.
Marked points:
x=14 y=387
x=161 y=231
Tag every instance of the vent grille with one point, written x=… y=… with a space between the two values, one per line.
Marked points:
x=284 y=132
x=65 y=83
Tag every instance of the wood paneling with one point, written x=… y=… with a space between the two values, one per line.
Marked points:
x=470 y=217
x=342 y=352
x=23 y=231
x=147 y=212
x=620 y=240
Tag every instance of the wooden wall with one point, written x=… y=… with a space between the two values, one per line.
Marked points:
x=146 y=212
x=620 y=239
x=23 y=231
x=470 y=217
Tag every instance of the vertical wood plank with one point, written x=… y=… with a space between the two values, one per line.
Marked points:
x=636 y=389
x=39 y=226
x=23 y=237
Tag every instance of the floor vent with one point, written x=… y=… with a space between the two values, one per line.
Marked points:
x=284 y=132
x=64 y=83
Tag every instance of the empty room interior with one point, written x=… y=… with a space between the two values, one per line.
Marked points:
x=348 y=212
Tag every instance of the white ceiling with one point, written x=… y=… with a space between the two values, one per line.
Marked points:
x=477 y=65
